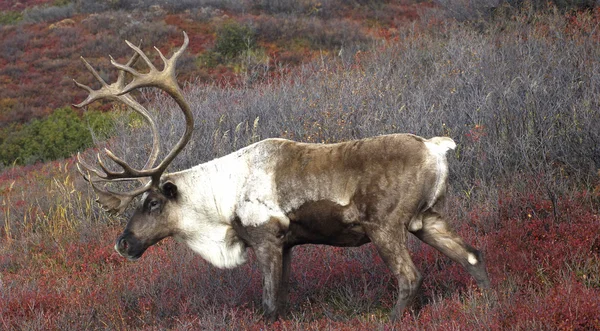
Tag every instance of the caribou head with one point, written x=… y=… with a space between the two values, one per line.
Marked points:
x=276 y=194
x=150 y=222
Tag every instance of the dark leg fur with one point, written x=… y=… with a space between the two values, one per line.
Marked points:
x=273 y=260
x=270 y=262
x=285 y=278
x=391 y=245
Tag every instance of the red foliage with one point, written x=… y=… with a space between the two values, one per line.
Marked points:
x=568 y=305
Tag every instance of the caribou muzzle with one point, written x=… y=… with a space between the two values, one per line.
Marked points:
x=129 y=247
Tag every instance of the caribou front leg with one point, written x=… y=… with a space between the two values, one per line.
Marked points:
x=285 y=278
x=274 y=262
x=270 y=261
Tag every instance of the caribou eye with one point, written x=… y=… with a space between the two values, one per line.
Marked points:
x=153 y=205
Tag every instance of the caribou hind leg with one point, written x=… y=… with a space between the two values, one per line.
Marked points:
x=436 y=233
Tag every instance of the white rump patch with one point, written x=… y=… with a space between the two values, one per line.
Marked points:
x=472 y=259
x=438 y=146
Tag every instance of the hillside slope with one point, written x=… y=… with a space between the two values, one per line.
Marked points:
x=41 y=41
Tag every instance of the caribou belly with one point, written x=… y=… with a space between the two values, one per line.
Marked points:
x=325 y=222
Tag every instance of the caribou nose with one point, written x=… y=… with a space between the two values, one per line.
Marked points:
x=121 y=245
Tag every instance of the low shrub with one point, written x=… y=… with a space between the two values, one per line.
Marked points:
x=233 y=39
x=10 y=17
x=58 y=136
x=48 y=14
x=467 y=10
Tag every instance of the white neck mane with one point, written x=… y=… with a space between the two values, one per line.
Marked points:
x=206 y=208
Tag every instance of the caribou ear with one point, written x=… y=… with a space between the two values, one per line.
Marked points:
x=169 y=189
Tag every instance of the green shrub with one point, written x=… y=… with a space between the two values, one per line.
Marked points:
x=233 y=39
x=57 y=136
x=100 y=124
x=8 y=18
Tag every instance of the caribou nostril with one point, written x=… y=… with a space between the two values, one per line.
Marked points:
x=122 y=244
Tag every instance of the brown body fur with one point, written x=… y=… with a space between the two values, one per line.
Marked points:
x=350 y=194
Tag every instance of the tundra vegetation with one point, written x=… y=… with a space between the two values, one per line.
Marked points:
x=517 y=89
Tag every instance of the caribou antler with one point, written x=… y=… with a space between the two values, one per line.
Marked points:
x=116 y=202
x=112 y=92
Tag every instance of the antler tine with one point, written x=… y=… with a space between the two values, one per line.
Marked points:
x=104 y=175
x=93 y=95
x=106 y=91
x=99 y=177
x=128 y=171
x=142 y=54
x=164 y=79
x=88 y=168
x=113 y=202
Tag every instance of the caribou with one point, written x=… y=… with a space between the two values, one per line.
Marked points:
x=275 y=194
